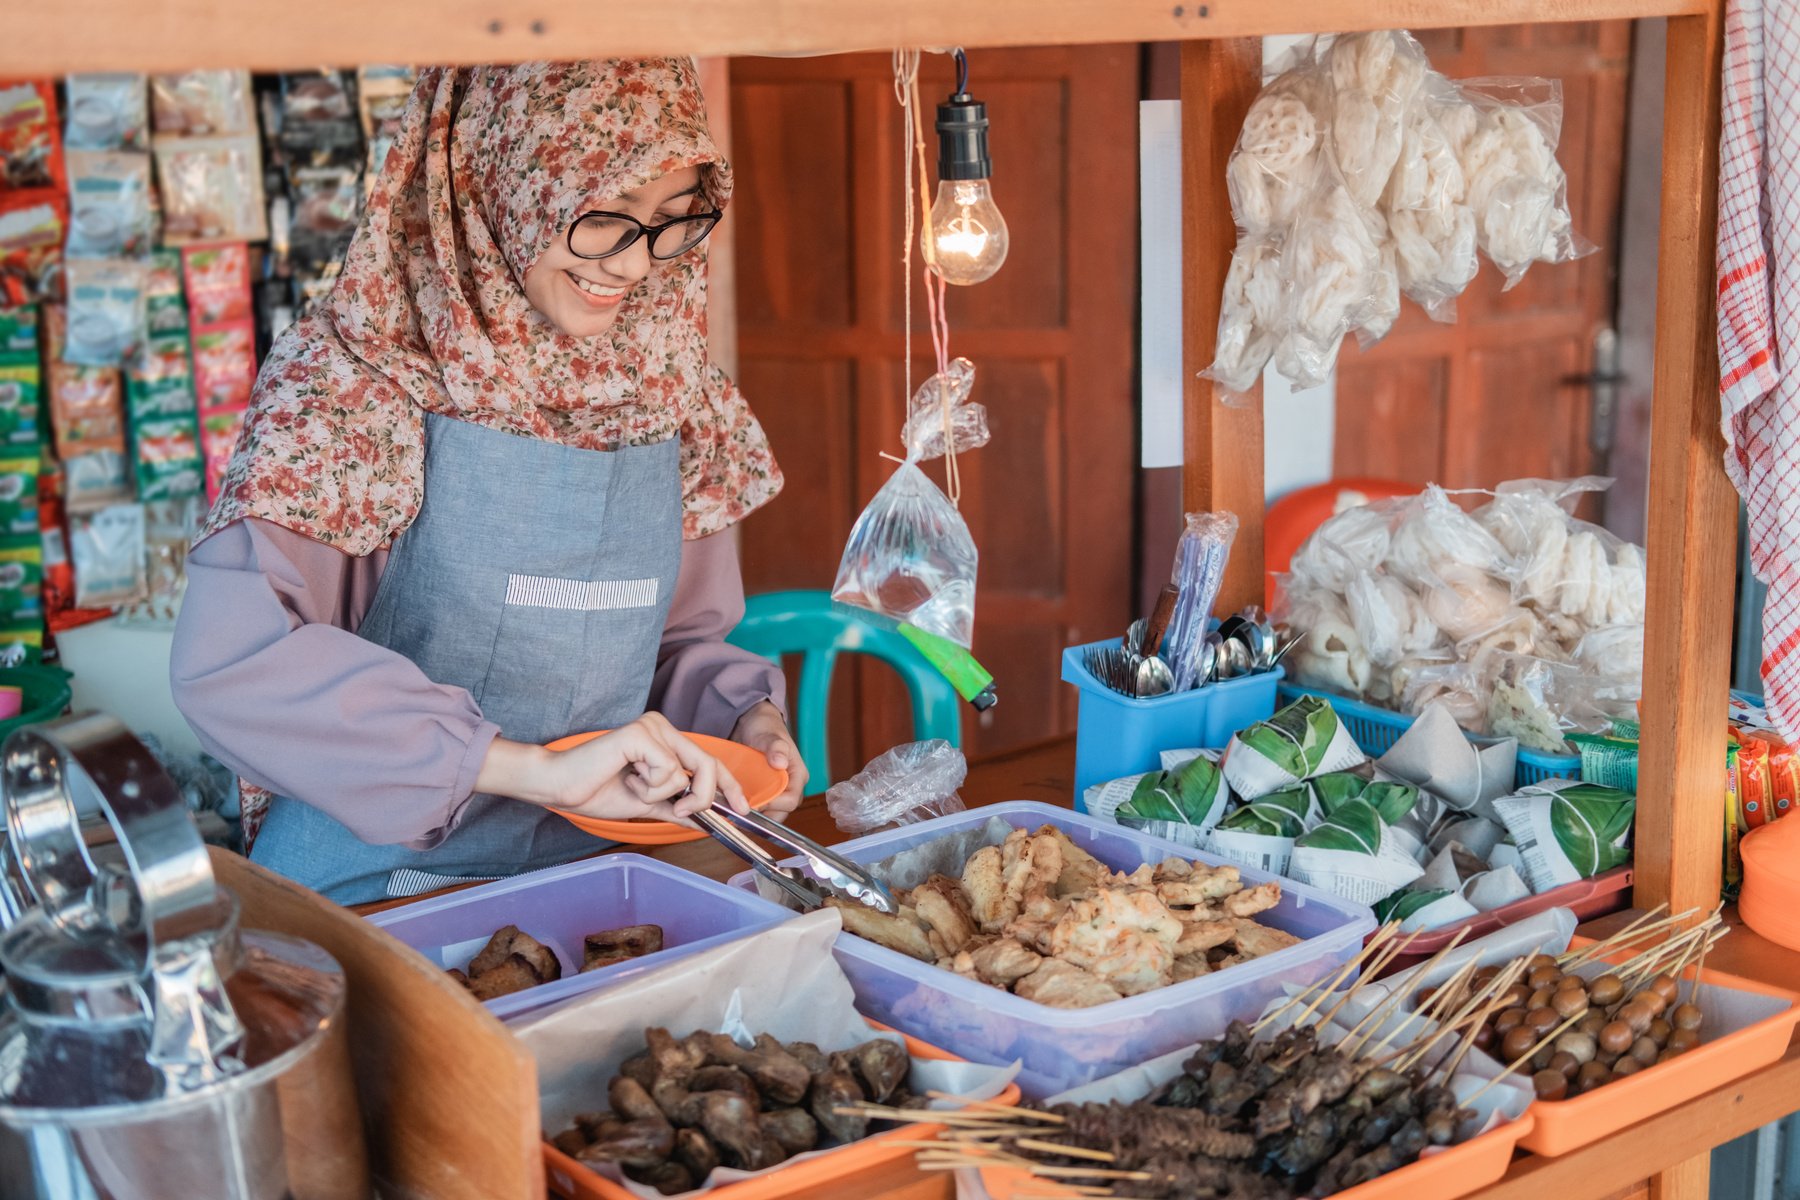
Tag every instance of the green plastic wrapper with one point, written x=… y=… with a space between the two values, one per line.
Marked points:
x=1568 y=830
x=1300 y=741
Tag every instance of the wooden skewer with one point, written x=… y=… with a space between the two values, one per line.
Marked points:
x=1387 y=955
x=1414 y=1053
x=1087 y=1173
x=1397 y=994
x=1068 y=1151
x=1439 y=999
x=1326 y=987
x=1506 y=979
x=1524 y=1058
x=1699 y=970
x=1579 y=955
x=1037 y=1114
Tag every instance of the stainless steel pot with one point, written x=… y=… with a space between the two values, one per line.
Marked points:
x=148 y=1046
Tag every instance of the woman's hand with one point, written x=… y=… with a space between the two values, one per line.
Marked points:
x=644 y=769
x=762 y=728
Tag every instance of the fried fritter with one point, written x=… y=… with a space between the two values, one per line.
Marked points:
x=900 y=931
x=1065 y=985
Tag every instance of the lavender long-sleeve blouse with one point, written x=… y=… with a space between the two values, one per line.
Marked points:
x=267 y=668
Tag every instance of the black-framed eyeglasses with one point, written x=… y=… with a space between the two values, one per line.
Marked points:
x=604 y=234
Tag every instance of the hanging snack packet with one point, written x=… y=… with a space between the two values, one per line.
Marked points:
x=18 y=498
x=1567 y=830
x=225 y=365
x=1180 y=805
x=217 y=279
x=910 y=556
x=108 y=110
x=169 y=527
x=382 y=93
x=1299 y=741
x=105 y=311
x=21 y=379
x=60 y=613
x=165 y=308
x=211 y=189
x=87 y=410
x=195 y=103
x=32 y=228
x=317 y=112
x=218 y=440
x=108 y=552
x=1354 y=854
x=31 y=153
x=327 y=205
x=112 y=210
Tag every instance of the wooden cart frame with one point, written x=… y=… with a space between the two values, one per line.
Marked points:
x=1692 y=508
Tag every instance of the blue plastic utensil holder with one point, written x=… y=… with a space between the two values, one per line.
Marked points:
x=1116 y=735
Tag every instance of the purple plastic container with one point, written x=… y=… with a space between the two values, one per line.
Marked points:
x=1061 y=1048
x=559 y=906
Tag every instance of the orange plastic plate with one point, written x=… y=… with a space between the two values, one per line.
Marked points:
x=1440 y=1175
x=1566 y=1125
x=569 y=1178
x=761 y=783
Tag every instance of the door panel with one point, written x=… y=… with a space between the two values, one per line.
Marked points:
x=819 y=213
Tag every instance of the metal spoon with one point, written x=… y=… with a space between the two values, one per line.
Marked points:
x=1154 y=677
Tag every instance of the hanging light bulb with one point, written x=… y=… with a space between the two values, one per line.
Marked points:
x=965 y=240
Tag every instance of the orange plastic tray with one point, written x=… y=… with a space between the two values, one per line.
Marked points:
x=569 y=1178
x=1566 y=1125
x=761 y=783
x=1449 y=1173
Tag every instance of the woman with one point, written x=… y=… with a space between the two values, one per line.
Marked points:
x=479 y=499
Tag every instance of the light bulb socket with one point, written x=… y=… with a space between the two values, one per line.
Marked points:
x=962 y=126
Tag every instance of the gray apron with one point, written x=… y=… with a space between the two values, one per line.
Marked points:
x=537 y=576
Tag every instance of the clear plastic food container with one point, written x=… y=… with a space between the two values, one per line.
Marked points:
x=1063 y=1048
x=560 y=906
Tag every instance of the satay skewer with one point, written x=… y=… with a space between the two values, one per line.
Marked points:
x=1329 y=985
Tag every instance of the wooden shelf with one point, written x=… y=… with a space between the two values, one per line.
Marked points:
x=169 y=35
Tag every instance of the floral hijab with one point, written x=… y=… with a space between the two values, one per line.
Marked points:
x=430 y=314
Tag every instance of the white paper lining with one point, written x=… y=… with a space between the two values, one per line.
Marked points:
x=782 y=981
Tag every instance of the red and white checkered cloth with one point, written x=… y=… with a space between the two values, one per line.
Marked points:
x=1759 y=317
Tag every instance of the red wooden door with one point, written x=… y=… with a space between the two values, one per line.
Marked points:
x=1492 y=396
x=817 y=148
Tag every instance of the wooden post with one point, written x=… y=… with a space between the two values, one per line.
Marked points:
x=1692 y=524
x=1693 y=509
x=1222 y=458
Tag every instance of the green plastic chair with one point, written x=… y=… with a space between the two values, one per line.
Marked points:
x=807 y=623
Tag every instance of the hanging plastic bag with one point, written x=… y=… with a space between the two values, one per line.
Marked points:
x=910 y=556
x=1375 y=77
x=913 y=782
x=1516 y=188
x=1429 y=219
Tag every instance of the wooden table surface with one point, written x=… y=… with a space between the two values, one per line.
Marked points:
x=1616 y=1166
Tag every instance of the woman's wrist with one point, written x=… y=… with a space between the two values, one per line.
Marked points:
x=515 y=770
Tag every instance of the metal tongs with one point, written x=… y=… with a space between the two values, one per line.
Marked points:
x=838 y=877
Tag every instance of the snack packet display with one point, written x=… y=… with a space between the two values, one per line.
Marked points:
x=912 y=782
x=169 y=527
x=1301 y=740
x=225 y=365
x=218 y=439
x=1568 y=830
x=21 y=379
x=31 y=152
x=108 y=110
x=318 y=112
x=112 y=211
x=910 y=556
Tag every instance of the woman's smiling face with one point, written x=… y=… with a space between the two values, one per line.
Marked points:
x=581 y=296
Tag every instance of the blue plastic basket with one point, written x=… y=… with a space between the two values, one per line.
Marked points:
x=1377 y=729
x=1116 y=735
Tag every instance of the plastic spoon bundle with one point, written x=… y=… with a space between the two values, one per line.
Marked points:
x=1200 y=560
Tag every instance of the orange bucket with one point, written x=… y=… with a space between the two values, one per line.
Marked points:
x=570 y=1179
x=1770 y=900
x=761 y=783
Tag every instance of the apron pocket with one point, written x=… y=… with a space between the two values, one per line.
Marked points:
x=580 y=595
